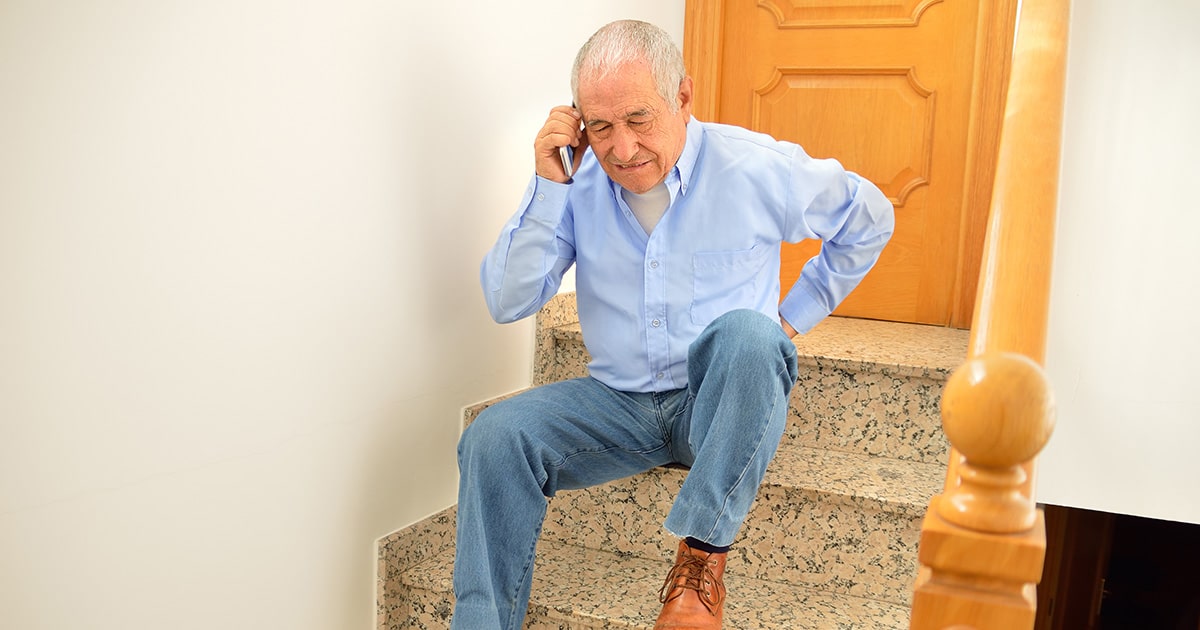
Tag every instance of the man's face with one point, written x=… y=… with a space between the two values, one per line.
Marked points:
x=631 y=129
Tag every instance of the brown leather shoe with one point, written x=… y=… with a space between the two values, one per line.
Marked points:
x=693 y=596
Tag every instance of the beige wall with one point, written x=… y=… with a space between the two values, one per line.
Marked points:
x=239 y=305
x=1126 y=300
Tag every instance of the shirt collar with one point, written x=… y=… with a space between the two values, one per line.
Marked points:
x=691 y=151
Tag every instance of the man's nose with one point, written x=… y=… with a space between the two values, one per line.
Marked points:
x=624 y=143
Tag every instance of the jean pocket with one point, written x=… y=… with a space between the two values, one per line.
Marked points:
x=726 y=280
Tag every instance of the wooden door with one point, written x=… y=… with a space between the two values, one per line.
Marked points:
x=907 y=93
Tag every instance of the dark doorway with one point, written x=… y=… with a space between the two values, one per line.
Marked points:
x=1117 y=572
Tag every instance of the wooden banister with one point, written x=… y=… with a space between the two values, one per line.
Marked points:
x=983 y=540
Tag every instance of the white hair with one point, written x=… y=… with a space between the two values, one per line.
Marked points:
x=626 y=41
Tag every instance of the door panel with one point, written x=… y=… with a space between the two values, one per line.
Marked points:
x=893 y=90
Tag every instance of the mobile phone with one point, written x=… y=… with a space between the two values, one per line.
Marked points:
x=567 y=155
x=568 y=160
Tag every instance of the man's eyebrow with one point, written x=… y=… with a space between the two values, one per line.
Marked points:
x=637 y=113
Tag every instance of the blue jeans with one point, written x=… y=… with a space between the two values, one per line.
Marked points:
x=725 y=426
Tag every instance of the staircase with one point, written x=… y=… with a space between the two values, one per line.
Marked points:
x=831 y=542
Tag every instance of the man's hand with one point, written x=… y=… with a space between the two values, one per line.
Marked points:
x=561 y=129
x=787 y=328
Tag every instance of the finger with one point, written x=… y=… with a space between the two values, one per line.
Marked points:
x=557 y=134
x=568 y=110
x=568 y=116
x=563 y=121
x=550 y=142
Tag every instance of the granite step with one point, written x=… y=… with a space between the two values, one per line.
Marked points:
x=864 y=386
x=576 y=588
x=830 y=542
x=842 y=522
x=827 y=528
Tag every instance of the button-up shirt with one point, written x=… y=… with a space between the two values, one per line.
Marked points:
x=736 y=195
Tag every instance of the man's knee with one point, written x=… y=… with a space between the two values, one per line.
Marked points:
x=750 y=330
x=753 y=337
x=744 y=323
x=491 y=431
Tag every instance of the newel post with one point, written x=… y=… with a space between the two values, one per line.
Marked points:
x=983 y=539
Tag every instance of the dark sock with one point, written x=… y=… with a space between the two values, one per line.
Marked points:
x=700 y=545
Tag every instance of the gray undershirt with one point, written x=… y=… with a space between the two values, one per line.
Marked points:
x=649 y=206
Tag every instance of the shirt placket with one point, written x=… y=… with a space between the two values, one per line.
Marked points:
x=654 y=269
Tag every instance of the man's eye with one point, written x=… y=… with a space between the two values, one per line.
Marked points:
x=600 y=131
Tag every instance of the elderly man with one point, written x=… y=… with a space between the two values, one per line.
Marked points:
x=674 y=228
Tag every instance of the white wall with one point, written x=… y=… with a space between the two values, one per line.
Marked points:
x=239 y=306
x=1123 y=342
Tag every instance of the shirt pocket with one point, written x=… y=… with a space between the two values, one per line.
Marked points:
x=724 y=281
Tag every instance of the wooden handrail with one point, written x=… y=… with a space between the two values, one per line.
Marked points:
x=1014 y=285
x=983 y=540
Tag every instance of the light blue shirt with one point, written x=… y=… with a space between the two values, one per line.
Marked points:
x=735 y=196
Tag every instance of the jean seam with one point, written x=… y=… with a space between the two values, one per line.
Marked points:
x=514 y=613
x=741 y=476
x=639 y=405
x=562 y=460
x=686 y=407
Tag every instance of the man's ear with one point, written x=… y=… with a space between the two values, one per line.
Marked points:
x=685 y=96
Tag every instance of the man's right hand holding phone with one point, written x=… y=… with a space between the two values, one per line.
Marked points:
x=562 y=129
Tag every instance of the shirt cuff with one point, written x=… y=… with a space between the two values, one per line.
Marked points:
x=801 y=309
x=545 y=200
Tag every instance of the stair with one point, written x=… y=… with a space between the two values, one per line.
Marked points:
x=831 y=542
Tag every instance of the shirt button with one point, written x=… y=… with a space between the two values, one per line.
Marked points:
x=656 y=323
x=541 y=197
x=654 y=264
x=659 y=376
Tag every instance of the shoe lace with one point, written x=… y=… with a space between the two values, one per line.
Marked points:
x=692 y=573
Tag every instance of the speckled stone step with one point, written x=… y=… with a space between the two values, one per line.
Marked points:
x=841 y=522
x=864 y=386
x=830 y=542
x=577 y=588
